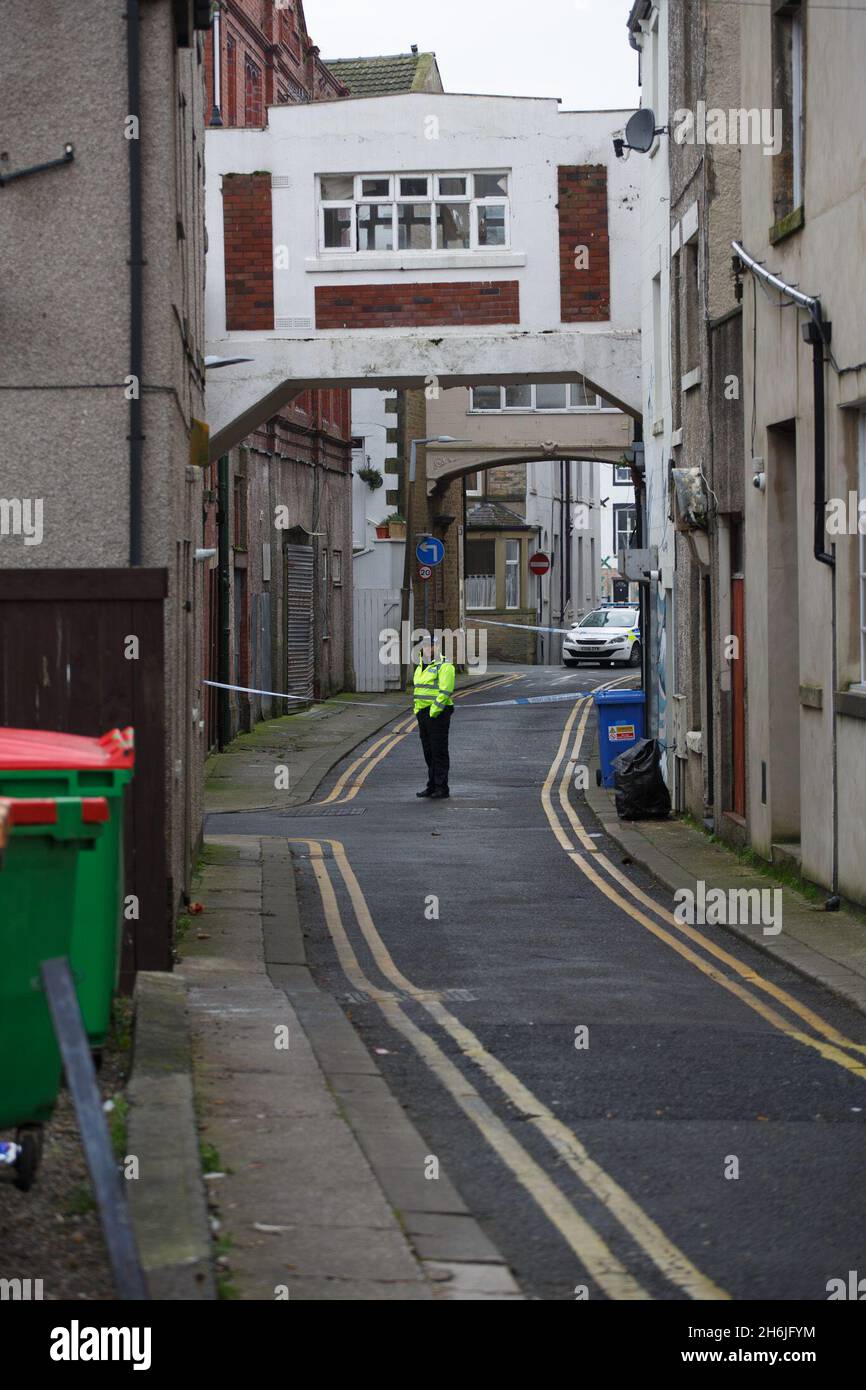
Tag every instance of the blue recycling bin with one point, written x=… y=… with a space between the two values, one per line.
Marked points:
x=620 y=726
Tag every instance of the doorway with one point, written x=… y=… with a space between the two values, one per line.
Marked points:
x=738 y=672
x=783 y=634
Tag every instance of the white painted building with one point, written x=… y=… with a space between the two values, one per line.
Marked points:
x=470 y=238
x=376 y=564
x=617 y=521
x=648 y=24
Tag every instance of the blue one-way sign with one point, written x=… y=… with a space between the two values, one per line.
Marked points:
x=430 y=551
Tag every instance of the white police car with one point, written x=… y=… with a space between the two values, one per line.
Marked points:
x=610 y=634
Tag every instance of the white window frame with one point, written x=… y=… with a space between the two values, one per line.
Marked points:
x=618 y=509
x=484 y=607
x=433 y=196
x=353 y=228
x=861 y=547
x=533 y=409
x=515 y=565
x=622 y=468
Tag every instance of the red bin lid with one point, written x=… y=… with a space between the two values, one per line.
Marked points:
x=31 y=749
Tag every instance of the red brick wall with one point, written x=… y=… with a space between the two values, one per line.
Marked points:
x=418 y=306
x=584 y=293
x=248 y=251
x=277 y=42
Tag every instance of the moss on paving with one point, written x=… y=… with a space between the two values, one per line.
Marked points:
x=781 y=874
x=216 y=854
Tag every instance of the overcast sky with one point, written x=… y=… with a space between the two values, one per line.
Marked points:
x=577 y=50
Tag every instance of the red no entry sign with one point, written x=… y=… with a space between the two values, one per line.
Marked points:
x=539 y=563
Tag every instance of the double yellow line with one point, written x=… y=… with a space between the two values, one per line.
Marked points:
x=594 y=1254
x=830 y=1043
x=357 y=772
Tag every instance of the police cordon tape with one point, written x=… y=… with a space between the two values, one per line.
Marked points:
x=389 y=704
x=528 y=627
x=522 y=627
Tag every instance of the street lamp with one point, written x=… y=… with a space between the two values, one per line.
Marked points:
x=435 y=439
x=214 y=361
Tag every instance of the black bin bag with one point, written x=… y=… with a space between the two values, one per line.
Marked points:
x=640 y=789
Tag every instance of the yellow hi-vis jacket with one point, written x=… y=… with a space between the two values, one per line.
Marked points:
x=433 y=685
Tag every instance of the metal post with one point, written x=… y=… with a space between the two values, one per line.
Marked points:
x=81 y=1079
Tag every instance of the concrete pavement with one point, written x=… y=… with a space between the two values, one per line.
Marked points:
x=320 y=1190
x=826 y=947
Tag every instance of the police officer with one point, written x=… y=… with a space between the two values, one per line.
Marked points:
x=433 y=684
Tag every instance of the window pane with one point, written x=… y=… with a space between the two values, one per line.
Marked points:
x=452 y=226
x=413 y=226
x=452 y=187
x=338 y=227
x=337 y=188
x=480 y=578
x=490 y=185
x=580 y=395
x=375 y=227
x=415 y=187
x=550 y=396
x=491 y=225
x=486 y=398
x=624 y=521
x=512 y=574
x=518 y=397
x=376 y=188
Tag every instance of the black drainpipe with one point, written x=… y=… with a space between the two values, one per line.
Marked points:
x=136 y=275
x=817 y=334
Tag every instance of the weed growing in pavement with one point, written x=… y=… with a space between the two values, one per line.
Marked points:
x=117 y=1118
x=210 y=1159
x=80 y=1201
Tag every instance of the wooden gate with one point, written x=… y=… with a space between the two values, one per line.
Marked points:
x=375 y=611
x=66 y=665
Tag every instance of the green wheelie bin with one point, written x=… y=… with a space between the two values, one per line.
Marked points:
x=43 y=843
x=39 y=763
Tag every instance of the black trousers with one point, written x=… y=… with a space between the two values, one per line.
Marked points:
x=434 y=741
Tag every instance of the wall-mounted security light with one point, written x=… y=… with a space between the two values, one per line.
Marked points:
x=640 y=133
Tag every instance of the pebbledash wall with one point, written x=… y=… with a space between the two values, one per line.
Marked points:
x=65 y=310
x=806 y=713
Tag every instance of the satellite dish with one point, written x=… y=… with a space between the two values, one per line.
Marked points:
x=640 y=131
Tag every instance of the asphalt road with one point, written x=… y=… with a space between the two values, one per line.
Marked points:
x=611 y=1165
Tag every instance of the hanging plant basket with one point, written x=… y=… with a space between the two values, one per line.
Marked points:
x=372 y=477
